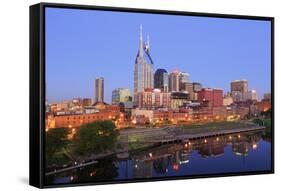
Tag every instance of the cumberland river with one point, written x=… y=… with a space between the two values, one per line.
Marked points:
x=243 y=152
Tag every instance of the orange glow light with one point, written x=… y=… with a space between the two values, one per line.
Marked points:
x=255 y=146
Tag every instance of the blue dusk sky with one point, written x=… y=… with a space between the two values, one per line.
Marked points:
x=84 y=44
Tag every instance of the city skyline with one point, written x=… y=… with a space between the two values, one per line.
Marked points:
x=107 y=56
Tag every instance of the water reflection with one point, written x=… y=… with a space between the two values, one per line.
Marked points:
x=232 y=153
x=104 y=170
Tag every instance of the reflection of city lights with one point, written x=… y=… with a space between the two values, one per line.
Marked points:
x=93 y=173
x=255 y=146
x=184 y=162
x=175 y=167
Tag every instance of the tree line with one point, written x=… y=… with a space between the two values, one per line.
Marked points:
x=92 y=138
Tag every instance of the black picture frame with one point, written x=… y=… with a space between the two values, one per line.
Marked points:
x=37 y=90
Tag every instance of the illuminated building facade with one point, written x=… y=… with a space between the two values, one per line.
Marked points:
x=178 y=99
x=153 y=99
x=104 y=112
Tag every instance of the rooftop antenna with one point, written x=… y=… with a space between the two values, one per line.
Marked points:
x=148 y=42
x=141 y=32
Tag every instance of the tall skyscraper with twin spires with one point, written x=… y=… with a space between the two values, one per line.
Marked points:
x=143 y=71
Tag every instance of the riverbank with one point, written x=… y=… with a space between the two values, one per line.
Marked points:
x=142 y=138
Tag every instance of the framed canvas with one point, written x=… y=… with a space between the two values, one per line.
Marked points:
x=132 y=95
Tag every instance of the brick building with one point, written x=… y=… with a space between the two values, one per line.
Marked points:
x=214 y=97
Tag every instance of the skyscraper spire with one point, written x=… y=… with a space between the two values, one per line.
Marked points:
x=147 y=43
x=140 y=53
x=140 y=32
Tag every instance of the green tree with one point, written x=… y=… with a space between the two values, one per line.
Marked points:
x=96 y=137
x=266 y=114
x=56 y=141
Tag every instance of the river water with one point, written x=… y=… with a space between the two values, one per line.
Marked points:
x=244 y=152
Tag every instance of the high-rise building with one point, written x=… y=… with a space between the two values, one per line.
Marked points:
x=238 y=96
x=161 y=80
x=183 y=81
x=239 y=85
x=143 y=71
x=174 y=81
x=121 y=95
x=99 y=89
x=239 y=90
x=193 y=89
